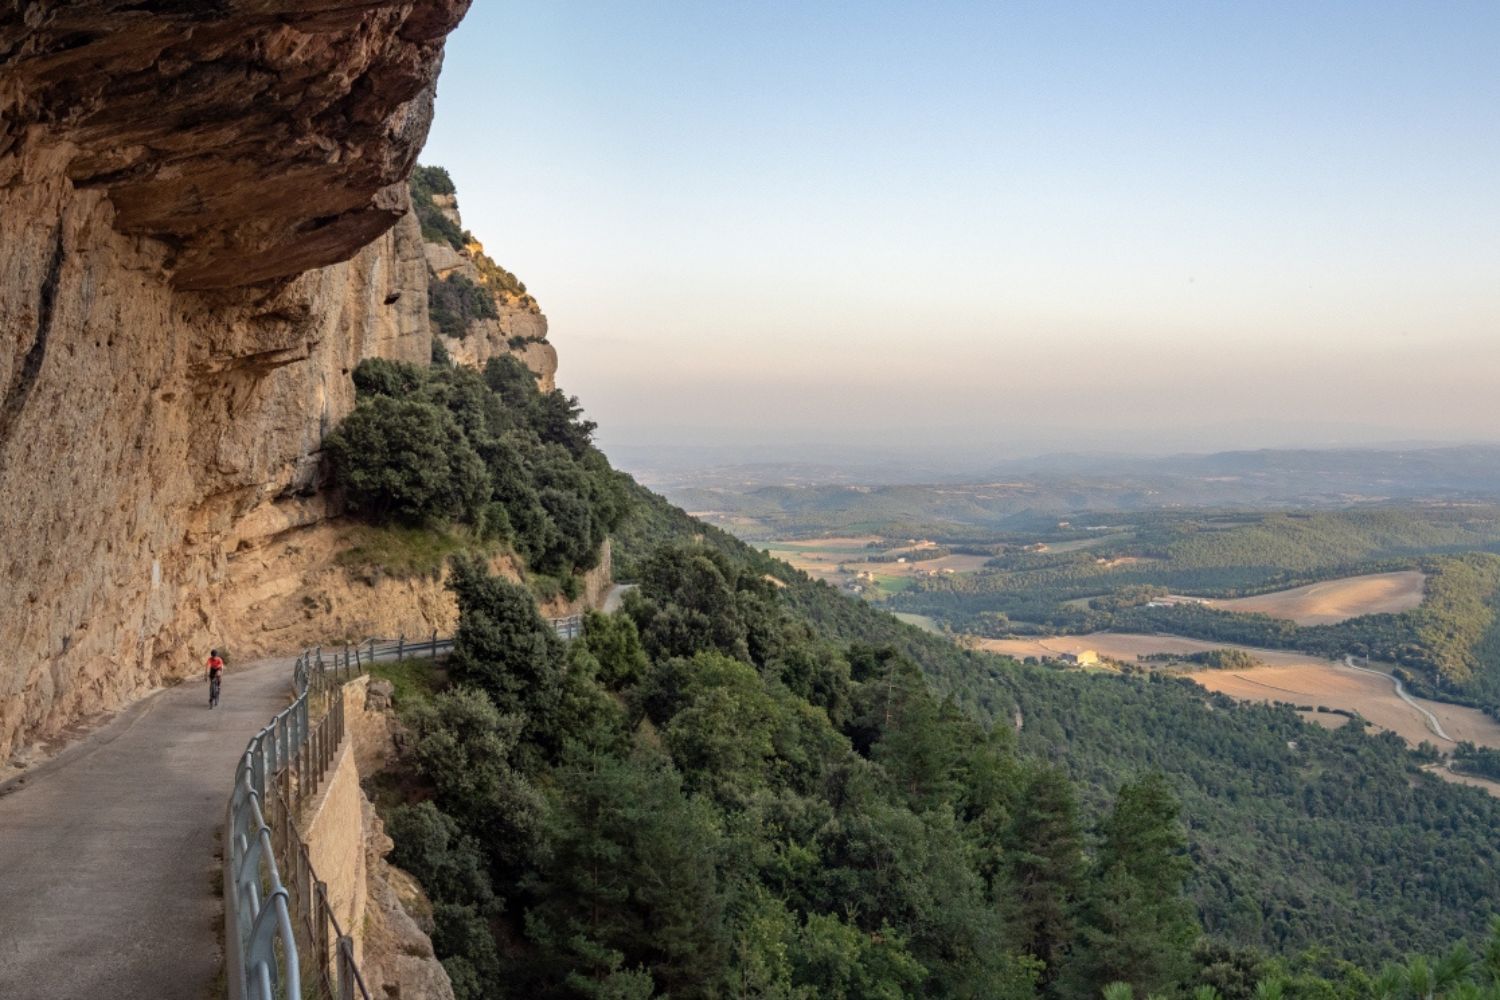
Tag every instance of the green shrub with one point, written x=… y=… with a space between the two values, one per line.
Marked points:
x=497 y=276
x=455 y=302
x=465 y=747
x=473 y=961
x=379 y=377
x=503 y=646
x=436 y=227
x=448 y=863
x=433 y=180
x=406 y=461
x=428 y=447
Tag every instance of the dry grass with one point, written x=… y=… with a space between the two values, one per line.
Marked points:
x=821 y=558
x=831 y=542
x=406 y=552
x=1128 y=647
x=1334 y=601
x=1370 y=696
x=958 y=564
x=1493 y=787
x=1287 y=676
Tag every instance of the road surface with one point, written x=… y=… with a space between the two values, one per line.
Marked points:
x=1432 y=722
x=616 y=597
x=108 y=875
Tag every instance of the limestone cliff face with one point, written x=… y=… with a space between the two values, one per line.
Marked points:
x=519 y=328
x=202 y=231
x=254 y=139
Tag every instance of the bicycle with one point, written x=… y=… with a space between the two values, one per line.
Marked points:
x=213 y=691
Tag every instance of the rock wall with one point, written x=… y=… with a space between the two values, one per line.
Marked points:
x=332 y=826
x=168 y=361
x=380 y=906
x=150 y=434
x=204 y=228
x=253 y=139
x=519 y=329
x=397 y=958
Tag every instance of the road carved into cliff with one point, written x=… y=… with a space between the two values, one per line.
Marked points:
x=106 y=852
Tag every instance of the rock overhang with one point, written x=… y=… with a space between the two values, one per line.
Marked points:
x=254 y=139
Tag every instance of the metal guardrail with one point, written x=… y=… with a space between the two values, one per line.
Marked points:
x=267 y=948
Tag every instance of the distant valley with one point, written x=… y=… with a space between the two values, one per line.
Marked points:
x=1162 y=567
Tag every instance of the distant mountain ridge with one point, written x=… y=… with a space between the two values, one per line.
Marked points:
x=1009 y=493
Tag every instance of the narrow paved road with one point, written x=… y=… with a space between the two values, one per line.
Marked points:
x=616 y=597
x=1432 y=720
x=108 y=879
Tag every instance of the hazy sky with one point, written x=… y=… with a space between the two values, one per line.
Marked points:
x=1049 y=224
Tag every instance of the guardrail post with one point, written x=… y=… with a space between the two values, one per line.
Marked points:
x=288 y=822
x=268 y=747
x=401 y=646
x=434 y=643
x=321 y=935
x=317 y=759
x=258 y=770
x=346 y=968
x=372 y=650
x=304 y=881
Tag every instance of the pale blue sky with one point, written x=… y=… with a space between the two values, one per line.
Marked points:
x=1053 y=224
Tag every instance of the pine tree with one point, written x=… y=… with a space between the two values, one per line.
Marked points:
x=1044 y=847
x=1136 y=926
x=628 y=882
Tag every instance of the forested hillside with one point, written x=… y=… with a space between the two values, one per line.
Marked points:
x=747 y=784
x=1451 y=644
x=1279 y=826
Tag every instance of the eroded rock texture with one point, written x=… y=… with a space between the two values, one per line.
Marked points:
x=519 y=328
x=255 y=139
x=201 y=233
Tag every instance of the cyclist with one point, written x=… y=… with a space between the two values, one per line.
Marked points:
x=215 y=675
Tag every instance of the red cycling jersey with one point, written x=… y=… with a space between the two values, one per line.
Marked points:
x=215 y=665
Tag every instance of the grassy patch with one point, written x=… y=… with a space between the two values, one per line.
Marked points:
x=406 y=552
x=414 y=680
x=888 y=585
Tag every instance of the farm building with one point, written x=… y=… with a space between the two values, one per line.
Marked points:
x=1082 y=658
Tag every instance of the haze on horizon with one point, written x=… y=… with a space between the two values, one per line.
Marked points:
x=995 y=229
